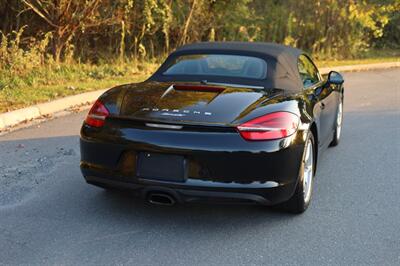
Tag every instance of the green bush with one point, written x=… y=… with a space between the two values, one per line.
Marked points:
x=32 y=66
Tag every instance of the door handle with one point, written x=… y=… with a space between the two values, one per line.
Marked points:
x=322 y=105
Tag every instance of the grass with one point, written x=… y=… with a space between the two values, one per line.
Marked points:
x=370 y=57
x=46 y=84
x=333 y=63
x=23 y=97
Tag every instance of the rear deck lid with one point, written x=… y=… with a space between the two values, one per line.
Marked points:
x=190 y=103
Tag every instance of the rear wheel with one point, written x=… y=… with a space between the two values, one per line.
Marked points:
x=339 y=122
x=301 y=198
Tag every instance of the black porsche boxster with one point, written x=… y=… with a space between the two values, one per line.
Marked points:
x=224 y=122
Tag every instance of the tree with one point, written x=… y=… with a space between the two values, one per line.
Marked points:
x=144 y=29
x=66 y=17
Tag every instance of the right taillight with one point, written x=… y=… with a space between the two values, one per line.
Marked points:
x=270 y=126
x=97 y=115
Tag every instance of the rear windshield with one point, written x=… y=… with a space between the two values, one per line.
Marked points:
x=218 y=65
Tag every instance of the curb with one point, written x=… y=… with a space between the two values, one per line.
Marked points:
x=1 y=124
x=13 y=118
x=16 y=117
x=68 y=102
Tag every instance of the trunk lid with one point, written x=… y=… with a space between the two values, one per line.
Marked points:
x=190 y=103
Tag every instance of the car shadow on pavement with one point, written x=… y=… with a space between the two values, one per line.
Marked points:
x=125 y=204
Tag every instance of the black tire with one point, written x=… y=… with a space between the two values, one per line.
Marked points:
x=297 y=203
x=336 y=135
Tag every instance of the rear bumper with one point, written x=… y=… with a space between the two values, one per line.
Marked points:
x=194 y=191
x=221 y=165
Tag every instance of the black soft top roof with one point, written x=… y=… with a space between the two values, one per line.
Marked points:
x=282 y=60
x=271 y=49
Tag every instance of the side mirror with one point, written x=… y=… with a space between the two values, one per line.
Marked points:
x=335 y=78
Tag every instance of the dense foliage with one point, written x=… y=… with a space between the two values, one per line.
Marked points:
x=96 y=30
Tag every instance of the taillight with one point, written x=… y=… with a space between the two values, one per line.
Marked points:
x=271 y=126
x=97 y=115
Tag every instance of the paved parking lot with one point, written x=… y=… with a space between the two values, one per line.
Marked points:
x=49 y=215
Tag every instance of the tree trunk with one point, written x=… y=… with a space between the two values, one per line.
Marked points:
x=122 y=43
x=166 y=35
x=166 y=29
x=57 y=49
x=187 y=23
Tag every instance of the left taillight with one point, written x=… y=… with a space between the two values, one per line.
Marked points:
x=270 y=126
x=97 y=115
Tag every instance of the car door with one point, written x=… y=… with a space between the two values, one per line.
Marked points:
x=324 y=109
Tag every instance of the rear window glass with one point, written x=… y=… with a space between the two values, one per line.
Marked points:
x=218 y=65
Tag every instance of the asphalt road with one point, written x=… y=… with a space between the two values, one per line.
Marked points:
x=49 y=215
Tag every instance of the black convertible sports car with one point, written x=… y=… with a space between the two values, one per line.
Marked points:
x=221 y=122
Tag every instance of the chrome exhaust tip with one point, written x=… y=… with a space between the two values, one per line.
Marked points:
x=161 y=199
